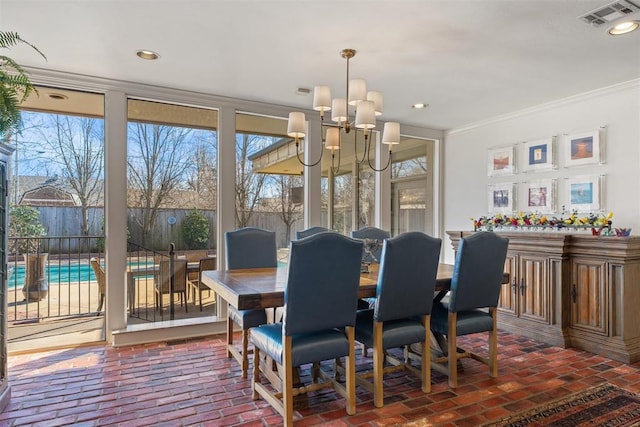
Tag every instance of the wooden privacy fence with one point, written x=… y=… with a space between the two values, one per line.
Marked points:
x=67 y=221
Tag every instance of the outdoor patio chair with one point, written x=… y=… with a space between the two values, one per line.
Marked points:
x=475 y=286
x=247 y=247
x=318 y=324
x=101 y=277
x=196 y=286
x=163 y=282
x=401 y=317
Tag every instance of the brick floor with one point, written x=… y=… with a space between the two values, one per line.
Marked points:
x=192 y=383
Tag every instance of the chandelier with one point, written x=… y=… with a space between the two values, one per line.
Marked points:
x=365 y=105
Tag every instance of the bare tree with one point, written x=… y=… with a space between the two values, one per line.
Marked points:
x=343 y=195
x=415 y=166
x=203 y=179
x=249 y=184
x=78 y=143
x=366 y=197
x=289 y=210
x=157 y=166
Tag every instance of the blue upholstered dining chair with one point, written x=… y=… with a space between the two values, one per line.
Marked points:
x=373 y=233
x=310 y=232
x=248 y=247
x=318 y=324
x=368 y=234
x=405 y=290
x=475 y=287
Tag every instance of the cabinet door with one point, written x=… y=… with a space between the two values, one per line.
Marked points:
x=588 y=295
x=533 y=289
x=508 y=292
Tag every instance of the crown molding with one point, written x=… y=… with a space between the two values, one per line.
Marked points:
x=631 y=84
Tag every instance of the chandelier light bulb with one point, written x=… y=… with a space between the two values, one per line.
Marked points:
x=391 y=133
x=339 y=110
x=365 y=115
x=357 y=91
x=376 y=97
x=332 y=139
x=296 y=127
x=322 y=98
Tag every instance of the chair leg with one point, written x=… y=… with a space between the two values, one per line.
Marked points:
x=245 y=352
x=425 y=362
x=452 y=350
x=256 y=373
x=287 y=383
x=350 y=374
x=493 y=344
x=200 y=295
x=229 y=335
x=378 y=365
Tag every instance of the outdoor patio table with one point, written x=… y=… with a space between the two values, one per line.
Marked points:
x=148 y=270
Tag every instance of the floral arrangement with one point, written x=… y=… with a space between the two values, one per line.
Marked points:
x=536 y=220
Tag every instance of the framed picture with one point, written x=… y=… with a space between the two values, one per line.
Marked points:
x=539 y=196
x=501 y=198
x=584 y=193
x=538 y=155
x=501 y=161
x=582 y=149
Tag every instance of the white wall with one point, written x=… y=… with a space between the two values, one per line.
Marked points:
x=617 y=108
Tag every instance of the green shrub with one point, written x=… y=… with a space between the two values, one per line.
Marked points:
x=195 y=229
x=24 y=221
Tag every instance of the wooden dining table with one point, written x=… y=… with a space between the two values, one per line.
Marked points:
x=255 y=288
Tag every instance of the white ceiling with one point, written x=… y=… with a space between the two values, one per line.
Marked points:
x=470 y=60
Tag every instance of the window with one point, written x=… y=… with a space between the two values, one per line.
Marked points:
x=171 y=198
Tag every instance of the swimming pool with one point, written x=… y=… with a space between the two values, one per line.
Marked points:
x=63 y=272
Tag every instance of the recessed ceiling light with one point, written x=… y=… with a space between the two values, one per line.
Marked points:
x=624 y=28
x=57 y=96
x=147 y=54
x=420 y=105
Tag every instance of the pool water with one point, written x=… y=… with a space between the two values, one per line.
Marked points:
x=56 y=274
x=59 y=273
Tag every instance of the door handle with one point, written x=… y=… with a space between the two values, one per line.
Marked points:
x=522 y=286
x=574 y=293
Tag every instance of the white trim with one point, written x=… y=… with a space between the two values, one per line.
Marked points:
x=115 y=208
x=168 y=330
x=631 y=84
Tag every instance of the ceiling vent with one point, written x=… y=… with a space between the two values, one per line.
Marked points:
x=609 y=13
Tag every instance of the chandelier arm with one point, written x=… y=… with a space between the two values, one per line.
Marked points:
x=384 y=168
x=355 y=148
x=333 y=155
x=309 y=165
x=337 y=169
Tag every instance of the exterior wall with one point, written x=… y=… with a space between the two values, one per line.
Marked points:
x=617 y=108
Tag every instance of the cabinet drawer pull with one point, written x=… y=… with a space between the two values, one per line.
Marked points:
x=574 y=293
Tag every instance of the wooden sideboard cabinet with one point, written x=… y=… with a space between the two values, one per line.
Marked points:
x=572 y=290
